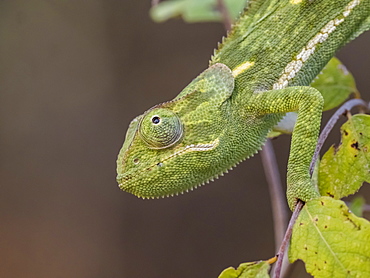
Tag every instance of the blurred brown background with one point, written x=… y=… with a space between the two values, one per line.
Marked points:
x=72 y=76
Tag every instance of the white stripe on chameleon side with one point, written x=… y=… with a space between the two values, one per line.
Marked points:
x=294 y=66
x=241 y=68
x=198 y=148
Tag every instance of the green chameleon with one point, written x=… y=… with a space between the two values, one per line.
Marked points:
x=260 y=71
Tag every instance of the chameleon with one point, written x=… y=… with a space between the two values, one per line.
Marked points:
x=260 y=72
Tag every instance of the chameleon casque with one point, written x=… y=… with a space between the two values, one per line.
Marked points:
x=260 y=71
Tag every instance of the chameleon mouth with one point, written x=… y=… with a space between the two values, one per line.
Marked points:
x=127 y=181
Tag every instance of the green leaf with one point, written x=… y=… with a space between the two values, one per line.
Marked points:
x=335 y=83
x=343 y=169
x=332 y=241
x=357 y=206
x=194 y=10
x=258 y=269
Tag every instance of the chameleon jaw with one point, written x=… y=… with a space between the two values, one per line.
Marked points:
x=127 y=181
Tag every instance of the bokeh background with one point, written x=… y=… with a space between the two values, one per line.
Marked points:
x=72 y=76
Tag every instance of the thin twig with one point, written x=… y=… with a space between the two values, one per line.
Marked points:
x=277 y=197
x=330 y=124
x=155 y=2
x=286 y=239
x=279 y=210
x=366 y=208
x=225 y=14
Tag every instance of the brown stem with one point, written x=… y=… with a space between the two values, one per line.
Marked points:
x=286 y=239
x=225 y=14
x=155 y=2
x=277 y=197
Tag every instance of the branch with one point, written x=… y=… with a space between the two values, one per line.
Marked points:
x=279 y=211
x=330 y=124
x=286 y=239
x=277 y=197
x=155 y=2
x=225 y=14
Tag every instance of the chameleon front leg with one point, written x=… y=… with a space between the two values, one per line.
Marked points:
x=308 y=102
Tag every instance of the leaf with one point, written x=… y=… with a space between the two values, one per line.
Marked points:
x=357 y=206
x=194 y=10
x=344 y=169
x=332 y=241
x=258 y=269
x=335 y=83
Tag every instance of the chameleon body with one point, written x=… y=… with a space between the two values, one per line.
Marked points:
x=261 y=71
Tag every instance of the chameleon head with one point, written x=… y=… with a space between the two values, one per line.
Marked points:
x=173 y=147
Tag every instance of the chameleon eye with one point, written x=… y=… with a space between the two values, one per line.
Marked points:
x=156 y=120
x=160 y=128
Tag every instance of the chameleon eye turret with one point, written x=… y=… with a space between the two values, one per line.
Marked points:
x=160 y=128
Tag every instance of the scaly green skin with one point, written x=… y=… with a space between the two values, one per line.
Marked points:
x=261 y=71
